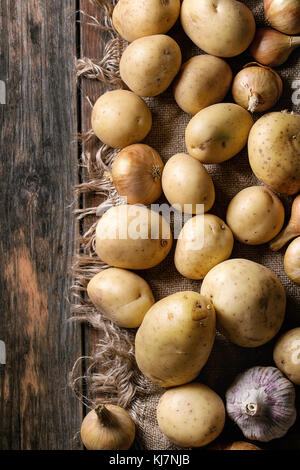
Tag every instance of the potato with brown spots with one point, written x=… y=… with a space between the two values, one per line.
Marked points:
x=287 y=354
x=274 y=148
x=149 y=64
x=218 y=133
x=175 y=338
x=192 y=415
x=249 y=301
x=255 y=215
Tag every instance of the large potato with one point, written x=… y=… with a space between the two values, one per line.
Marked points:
x=121 y=296
x=175 y=338
x=186 y=183
x=255 y=215
x=203 y=80
x=204 y=241
x=249 y=301
x=224 y=28
x=274 y=148
x=149 y=64
x=134 y=19
x=218 y=132
x=132 y=237
x=192 y=415
x=287 y=354
x=121 y=118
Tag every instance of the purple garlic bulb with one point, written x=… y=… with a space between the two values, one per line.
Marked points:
x=261 y=401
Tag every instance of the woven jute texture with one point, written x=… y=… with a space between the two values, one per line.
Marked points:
x=112 y=375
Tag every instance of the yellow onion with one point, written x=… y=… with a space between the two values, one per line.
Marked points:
x=271 y=47
x=292 y=229
x=257 y=87
x=136 y=174
x=107 y=427
x=283 y=15
x=292 y=261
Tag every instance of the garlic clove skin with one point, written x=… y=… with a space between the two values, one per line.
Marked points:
x=291 y=261
x=261 y=401
x=292 y=229
x=283 y=15
x=256 y=87
x=107 y=427
x=271 y=47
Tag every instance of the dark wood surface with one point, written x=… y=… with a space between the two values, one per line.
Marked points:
x=38 y=169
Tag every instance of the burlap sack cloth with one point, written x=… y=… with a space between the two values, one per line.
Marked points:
x=112 y=375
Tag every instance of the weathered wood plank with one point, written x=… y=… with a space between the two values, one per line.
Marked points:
x=38 y=169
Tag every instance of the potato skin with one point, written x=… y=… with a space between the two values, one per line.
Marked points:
x=185 y=181
x=287 y=354
x=291 y=261
x=134 y=19
x=175 y=338
x=238 y=445
x=218 y=133
x=121 y=118
x=255 y=215
x=223 y=28
x=192 y=415
x=274 y=147
x=121 y=296
x=149 y=64
x=203 y=80
x=195 y=262
x=249 y=301
x=118 y=245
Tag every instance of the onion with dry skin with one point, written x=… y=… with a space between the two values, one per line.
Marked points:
x=292 y=261
x=283 y=15
x=107 y=427
x=136 y=174
x=257 y=87
x=292 y=229
x=273 y=48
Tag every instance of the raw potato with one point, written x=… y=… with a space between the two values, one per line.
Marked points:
x=255 y=215
x=134 y=19
x=175 y=338
x=186 y=183
x=121 y=296
x=287 y=354
x=204 y=242
x=274 y=148
x=249 y=301
x=121 y=118
x=238 y=445
x=132 y=237
x=224 y=28
x=203 y=80
x=149 y=64
x=218 y=132
x=192 y=415
x=291 y=261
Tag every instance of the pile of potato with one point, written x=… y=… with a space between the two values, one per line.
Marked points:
x=243 y=299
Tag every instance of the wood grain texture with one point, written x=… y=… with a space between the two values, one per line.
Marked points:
x=38 y=169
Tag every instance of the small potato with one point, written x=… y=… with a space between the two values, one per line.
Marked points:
x=274 y=148
x=249 y=301
x=203 y=80
x=121 y=118
x=237 y=445
x=204 y=242
x=134 y=19
x=224 y=28
x=287 y=354
x=291 y=261
x=149 y=64
x=121 y=296
x=132 y=237
x=255 y=215
x=192 y=415
x=218 y=132
x=186 y=183
x=175 y=338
